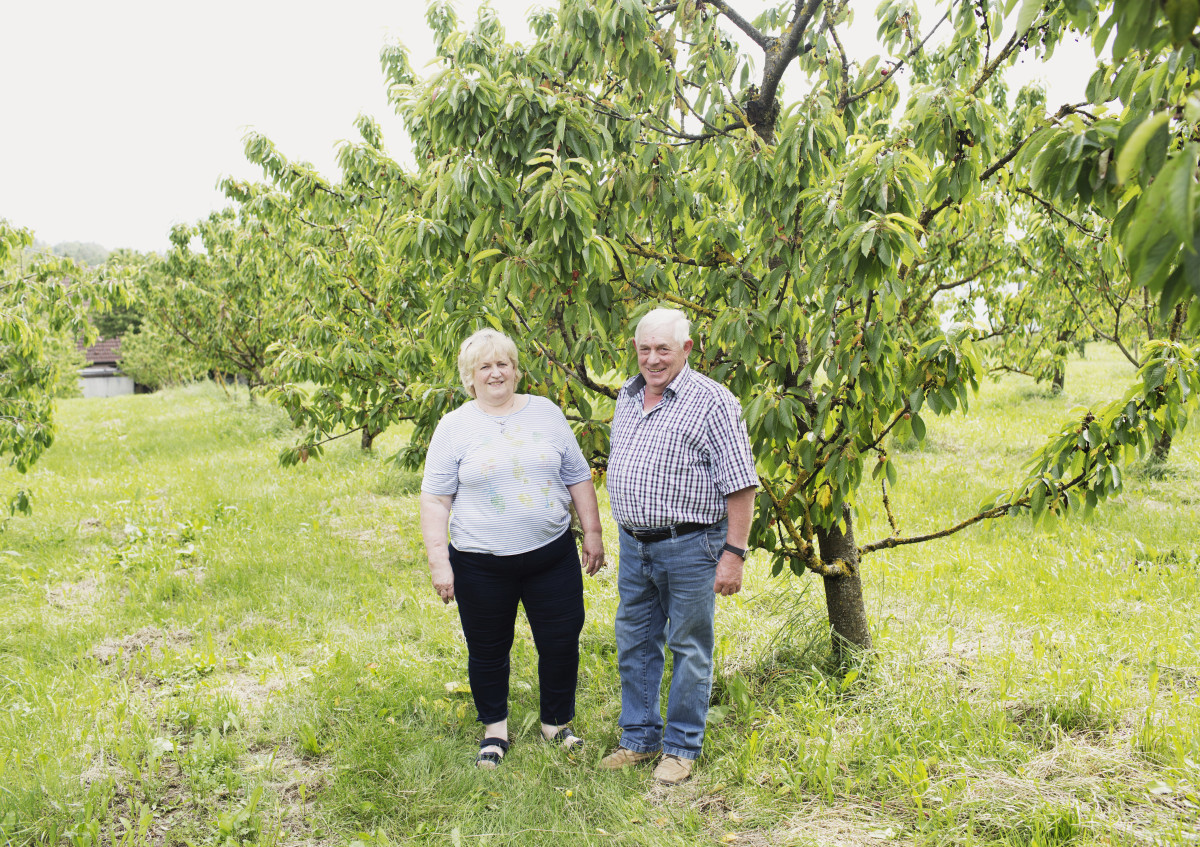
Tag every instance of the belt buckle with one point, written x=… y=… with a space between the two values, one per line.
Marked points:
x=651 y=535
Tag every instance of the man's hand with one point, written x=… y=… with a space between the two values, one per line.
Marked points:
x=729 y=574
x=443 y=581
x=592 y=557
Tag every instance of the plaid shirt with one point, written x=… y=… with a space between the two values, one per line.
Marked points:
x=677 y=462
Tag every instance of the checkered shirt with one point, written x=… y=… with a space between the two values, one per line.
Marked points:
x=679 y=461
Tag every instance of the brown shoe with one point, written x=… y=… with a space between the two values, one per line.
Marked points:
x=673 y=770
x=623 y=758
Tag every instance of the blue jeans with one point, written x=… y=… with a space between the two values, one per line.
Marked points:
x=667 y=599
x=549 y=584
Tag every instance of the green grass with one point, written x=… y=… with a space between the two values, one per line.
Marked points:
x=200 y=647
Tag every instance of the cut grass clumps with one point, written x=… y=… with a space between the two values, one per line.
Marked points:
x=200 y=647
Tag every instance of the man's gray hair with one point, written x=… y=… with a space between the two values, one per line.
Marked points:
x=672 y=322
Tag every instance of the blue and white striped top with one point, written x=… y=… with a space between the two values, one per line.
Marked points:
x=508 y=476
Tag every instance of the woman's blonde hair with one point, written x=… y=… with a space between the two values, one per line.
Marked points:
x=481 y=345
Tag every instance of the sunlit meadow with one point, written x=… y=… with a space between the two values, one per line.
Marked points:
x=200 y=647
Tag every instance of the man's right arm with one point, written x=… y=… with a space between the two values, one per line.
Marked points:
x=730 y=566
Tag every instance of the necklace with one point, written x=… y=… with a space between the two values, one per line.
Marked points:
x=502 y=419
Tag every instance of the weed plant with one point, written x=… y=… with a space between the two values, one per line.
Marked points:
x=200 y=647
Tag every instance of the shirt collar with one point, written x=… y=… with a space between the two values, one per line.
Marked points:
x=675 y=387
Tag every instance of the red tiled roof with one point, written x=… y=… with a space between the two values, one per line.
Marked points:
x=105 y=350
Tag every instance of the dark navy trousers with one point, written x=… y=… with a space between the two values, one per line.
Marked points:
x=549 y=584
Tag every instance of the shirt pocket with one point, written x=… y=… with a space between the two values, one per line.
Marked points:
x=681 y=448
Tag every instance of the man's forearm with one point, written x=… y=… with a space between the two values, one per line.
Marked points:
x=740 y=505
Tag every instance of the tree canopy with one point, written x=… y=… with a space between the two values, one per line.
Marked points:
x=39 y=301
x=635 y=155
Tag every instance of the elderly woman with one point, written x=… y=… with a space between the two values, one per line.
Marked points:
x=499 y=475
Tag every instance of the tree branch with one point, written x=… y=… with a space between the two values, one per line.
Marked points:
x=741 y=23
x=1054 y=210
x=867 y=92
x=780 y=53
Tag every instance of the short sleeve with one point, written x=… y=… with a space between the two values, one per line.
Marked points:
x=731 y=457
x=441 y=463
x=574 y=468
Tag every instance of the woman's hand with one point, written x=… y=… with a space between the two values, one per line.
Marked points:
x=592 y=555
x=583 y=496
x=443 y=580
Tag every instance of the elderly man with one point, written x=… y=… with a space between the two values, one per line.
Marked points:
x=681 y=480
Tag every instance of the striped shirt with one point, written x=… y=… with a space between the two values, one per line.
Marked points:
x=679 y=461
x=508 y=476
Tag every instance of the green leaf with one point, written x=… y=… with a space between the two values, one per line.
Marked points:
x=1154 y=263
x=1179 y=177
x=1182 y=14
x=1037 y=499
x=484 y=254
x=918 y=427
x=1131 y=154
x=1029 y=11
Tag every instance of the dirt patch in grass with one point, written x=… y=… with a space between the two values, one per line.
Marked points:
x=251 y=693
x=148 y=639
x=195 y=574
x=1079 y=782
x=78 y=597
x=100 y=770
x=181 y=815
x=840 y=825
x=294 y=783
x=90 y=526
x=373 y=523
x=845 y=823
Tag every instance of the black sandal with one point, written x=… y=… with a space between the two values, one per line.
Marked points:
x=491 y=759
x=566 y=738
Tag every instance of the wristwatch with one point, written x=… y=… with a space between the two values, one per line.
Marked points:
x=737 y=551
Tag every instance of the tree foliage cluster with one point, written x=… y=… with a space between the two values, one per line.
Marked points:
x=43 y=310
x=856 y=255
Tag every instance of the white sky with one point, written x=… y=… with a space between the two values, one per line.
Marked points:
x=121 y=116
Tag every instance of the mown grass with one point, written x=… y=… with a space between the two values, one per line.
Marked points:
x=200 y=647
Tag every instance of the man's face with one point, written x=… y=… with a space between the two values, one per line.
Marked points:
x=660 y=359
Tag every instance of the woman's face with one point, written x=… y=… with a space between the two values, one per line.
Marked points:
x=495 y=380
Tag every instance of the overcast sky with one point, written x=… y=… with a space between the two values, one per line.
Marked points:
x=121 y=116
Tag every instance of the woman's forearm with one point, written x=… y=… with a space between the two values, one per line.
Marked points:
x=435 y=527
x=583 y=496
x=435 y=531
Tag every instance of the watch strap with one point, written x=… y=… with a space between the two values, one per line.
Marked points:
x=737 y=551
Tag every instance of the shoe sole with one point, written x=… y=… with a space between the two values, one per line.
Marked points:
x=649 y=758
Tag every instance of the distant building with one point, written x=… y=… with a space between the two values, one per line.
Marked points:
x=101 y=376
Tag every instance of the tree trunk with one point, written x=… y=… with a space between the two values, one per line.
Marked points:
x=368 y=437
x=1161 y=452
x=1059 y=379
x=843 y=594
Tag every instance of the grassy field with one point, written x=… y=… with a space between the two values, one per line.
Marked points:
x=200 y=647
